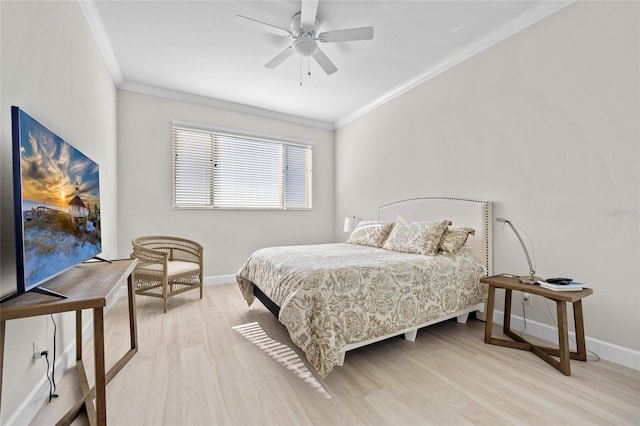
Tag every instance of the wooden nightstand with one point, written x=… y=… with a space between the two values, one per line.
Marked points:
x=561 y=298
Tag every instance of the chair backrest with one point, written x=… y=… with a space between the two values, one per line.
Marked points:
x=174 y=248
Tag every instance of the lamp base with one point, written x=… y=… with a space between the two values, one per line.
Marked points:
x=529 y=279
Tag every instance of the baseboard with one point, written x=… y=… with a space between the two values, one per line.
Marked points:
x=219 y=279
x=605 y=350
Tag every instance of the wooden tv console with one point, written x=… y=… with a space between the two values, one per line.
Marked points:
x=87 y=286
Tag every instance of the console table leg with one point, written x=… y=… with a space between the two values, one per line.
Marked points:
x=2 y=332
x=133 y=328
x=506 y=323
x=563 y=338
x=579 y=325
x=98 y=345
x=78 y=335
x=488 y=325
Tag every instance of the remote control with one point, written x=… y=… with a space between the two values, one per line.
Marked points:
x=559 y=280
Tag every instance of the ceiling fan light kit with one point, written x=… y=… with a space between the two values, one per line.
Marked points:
x=304 y=26
x=304 y=47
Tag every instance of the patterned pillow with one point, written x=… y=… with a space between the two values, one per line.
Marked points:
x=370 y=233
x=416 y=237
x=454 y=238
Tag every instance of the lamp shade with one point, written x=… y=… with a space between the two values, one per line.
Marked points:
x=350 y=223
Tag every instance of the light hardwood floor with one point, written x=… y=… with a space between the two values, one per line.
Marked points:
x=193 y=368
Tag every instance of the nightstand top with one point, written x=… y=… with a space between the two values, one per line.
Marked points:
x=501 y=281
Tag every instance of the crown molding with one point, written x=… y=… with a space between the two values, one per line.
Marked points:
x=92 y=15
x=217 y=103
x=534 y=15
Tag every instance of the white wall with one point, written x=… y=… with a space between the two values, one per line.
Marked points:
x=228 y=236
x=546 y=125
x=52 y=68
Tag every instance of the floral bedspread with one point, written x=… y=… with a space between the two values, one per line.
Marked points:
x=331 y=295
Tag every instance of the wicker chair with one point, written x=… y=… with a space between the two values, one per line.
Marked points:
x=166 y=266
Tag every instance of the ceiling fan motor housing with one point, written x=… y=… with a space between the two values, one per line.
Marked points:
x=299 y=31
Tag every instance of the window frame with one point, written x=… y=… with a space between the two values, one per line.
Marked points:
x=211 y=205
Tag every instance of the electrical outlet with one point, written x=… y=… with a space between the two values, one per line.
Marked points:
x=527 y=299
x=38 y=349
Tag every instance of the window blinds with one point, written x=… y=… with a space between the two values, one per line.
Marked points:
x=297 y=176
x=192 y=168
x=222 y=170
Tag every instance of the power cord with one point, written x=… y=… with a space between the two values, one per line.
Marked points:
x=45 y=354
x=52 y=395
x=53 y=371
x=524 y=317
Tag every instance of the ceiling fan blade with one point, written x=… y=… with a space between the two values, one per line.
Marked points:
x=324 y=62
x=279 y=58
x=352 y=34
x=308 y=13
x=262 y=26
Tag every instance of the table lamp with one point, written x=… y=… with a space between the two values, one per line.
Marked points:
x=526 y=279
x=350 y=223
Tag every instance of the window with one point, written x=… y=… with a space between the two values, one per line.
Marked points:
x=213 y=169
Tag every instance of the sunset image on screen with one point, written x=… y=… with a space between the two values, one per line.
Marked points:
x=60 y=202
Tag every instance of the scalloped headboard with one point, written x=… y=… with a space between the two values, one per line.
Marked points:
x=461 y=211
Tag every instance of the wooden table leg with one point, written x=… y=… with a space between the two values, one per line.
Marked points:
x=86 y=401
x=2 y=332
x=579 y=324
x=488 y=325
x=98 y=346
x=133 y=322
x=78 y=335
x=506 y=323
x=563 y=338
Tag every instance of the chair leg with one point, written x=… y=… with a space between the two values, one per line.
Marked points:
x=165 y=296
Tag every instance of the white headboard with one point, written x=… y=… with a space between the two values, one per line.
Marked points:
x=462 y=212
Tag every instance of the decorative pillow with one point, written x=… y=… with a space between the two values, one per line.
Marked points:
x=454 y=238
x=370 y=233
x=416 y=237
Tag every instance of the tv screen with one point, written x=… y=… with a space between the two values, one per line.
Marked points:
x=57 y=203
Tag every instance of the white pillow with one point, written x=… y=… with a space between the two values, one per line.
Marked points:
x=370 y=233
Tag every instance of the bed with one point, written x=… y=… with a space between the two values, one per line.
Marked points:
x=333 y=298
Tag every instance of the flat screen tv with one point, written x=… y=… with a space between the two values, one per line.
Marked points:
x=56 y=204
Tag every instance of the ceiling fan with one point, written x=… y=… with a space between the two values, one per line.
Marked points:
x=304 y=32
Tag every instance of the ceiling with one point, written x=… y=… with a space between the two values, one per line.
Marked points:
x=196 y=51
